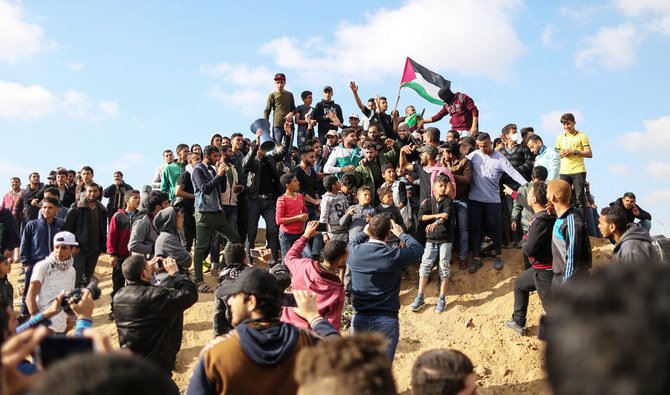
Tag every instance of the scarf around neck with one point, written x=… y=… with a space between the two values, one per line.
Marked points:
x=55 y=264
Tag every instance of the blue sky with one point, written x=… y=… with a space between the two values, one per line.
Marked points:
x=112 y=86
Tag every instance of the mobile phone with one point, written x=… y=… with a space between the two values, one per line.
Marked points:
x=289 y=300
x=57 y=347
x=323 y=227
x=255 y=253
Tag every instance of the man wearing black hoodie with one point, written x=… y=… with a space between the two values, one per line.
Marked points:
x=328 y=115
x=633 y=243
x=537 y=247
x=633 y=211
x=260 y=346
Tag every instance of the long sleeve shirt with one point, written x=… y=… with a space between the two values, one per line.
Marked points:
x=287 y=208
x=486 y=173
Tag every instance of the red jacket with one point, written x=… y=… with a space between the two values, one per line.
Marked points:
x=119 y=234
x=309 y=275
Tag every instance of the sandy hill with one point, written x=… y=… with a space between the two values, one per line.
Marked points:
x=505 y=363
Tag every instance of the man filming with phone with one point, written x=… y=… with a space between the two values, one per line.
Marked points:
x=149 y=318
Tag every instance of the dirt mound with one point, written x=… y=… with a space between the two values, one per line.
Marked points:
x=505 y=363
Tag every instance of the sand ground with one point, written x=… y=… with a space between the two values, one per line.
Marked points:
x=505 y=363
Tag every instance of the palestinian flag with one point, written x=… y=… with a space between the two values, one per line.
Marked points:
x=425 y=82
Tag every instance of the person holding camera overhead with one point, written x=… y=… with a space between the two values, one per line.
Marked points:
x=149 y=318
x=51 y=276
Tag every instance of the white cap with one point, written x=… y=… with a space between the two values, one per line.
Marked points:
x=65 y=238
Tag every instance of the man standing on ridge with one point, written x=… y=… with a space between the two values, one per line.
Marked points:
x=282 y=103
x=462 y=109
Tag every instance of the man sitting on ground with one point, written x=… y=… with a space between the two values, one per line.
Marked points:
x=633 y=211
x=259 y=356
x=633 y=245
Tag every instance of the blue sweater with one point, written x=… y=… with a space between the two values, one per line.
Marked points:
x=375 y=273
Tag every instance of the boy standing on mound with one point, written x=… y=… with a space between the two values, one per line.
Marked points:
x=570 y=245
x=437 y=212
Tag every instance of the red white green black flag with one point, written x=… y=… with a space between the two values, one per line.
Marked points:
x=425 y=82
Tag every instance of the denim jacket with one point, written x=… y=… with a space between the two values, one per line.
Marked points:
x=207 y=189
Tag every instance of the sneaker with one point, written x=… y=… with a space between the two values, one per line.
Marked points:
x=475 y=265
x=441 y=304
x=498 y=265
x=521 y=330
x=418 y=302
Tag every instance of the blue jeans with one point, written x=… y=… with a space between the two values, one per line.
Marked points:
x=434 y=251
x=462 y=216
x=286 y=241
x=645 y=223
x=388 y=327
x=278 y=135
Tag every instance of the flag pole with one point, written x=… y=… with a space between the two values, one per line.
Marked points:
x=397 y=99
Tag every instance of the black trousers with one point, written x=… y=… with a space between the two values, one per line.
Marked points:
x=118 y=281
x=528 y=281
x=578 y=183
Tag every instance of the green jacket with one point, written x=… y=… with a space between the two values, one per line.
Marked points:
x=170 y=175
x=367 y=171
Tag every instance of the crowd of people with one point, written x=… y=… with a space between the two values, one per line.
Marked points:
x=347 y=211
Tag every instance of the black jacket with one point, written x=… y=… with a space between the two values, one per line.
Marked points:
x=252 y=168
x=149 y=318
x=630 y=217
x=78 y=222
x=110 y=193
x=23 y=209
x=521 y=159
x=444 y=232
x=9 y=231
x=537 y=244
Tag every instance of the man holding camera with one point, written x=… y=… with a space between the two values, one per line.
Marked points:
x=51 y=276
x=149 y=318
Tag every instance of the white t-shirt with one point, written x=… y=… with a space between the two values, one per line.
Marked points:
x=52 y=285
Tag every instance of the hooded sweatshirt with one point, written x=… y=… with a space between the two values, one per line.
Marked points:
x=635 y=246
x=309 y=275
x=256 y=358
x=143 y=234
x=167 y=242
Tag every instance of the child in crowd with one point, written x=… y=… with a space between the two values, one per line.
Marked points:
x=399 y=190
x=350 y=188
x=333 y=206
x=437 y=212
x=356 y=217
x=291 y=213
x=387 y=207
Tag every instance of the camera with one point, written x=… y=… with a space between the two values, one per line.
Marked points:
x=74 y=296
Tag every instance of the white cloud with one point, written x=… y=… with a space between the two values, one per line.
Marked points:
x=611 y=48
x=29 y=102
x=659 y=170
x=127 y=161
x=240 y=74
x=18 y=38
x=24 y=102
x=355 y=49
x=581 y=14
x=655 y=14
x=659 y=196
x=619 y=169
x=548 y=35
x=74 y=66
x=654 y=139
x=248 y=101
x=550 y=123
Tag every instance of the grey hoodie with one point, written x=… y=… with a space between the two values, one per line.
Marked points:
x=167 y=242
x=635 y=246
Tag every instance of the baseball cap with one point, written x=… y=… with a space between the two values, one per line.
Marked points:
x=327 y=88
x=253 y=281
x=65 y=238
x=280 y=77
x=332 y=132
x=430 y=149
x=354 y=115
